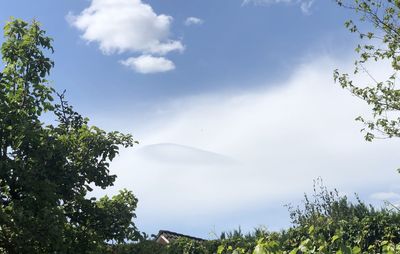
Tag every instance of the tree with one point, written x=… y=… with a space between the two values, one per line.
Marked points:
x=47 y=171
x=382 y=44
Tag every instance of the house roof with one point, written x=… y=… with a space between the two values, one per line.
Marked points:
x=171 y=236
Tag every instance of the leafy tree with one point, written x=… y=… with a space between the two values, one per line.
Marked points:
x=381 y=44
x=48 y=171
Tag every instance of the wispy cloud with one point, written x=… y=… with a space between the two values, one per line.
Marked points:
x=193 y=21
x=305 y=5
x=120 y=26
x=149 y=64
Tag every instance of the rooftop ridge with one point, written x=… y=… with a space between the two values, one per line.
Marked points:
x=179 y=235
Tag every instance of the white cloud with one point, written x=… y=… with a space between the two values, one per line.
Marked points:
x=193 y=21
x=305 y=5
x=146 y=64
x=265 y=146
x=126 y=26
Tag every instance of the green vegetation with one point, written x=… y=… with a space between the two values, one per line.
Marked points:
x=382 y=45
x=48 y=171
x=325 y=223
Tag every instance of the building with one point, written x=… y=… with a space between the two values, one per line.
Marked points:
x=166 y=237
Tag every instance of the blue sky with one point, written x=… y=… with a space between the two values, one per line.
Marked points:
x=235 y=108
x=235 y=44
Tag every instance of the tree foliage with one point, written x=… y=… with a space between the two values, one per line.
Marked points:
x=381 y=43
x=325 y=223
x=47 y=171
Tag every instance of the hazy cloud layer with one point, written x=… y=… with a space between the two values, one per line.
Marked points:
x=386 y=196
x=229 y=157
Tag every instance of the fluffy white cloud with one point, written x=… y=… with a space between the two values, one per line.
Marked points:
x=305 y=5
x=193 y=21
x=227 y=158
x=149 y=64
x=125 y=25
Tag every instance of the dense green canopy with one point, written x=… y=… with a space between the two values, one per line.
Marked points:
x=47 y=171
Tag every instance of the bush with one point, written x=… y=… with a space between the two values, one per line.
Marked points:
x=325 y=223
